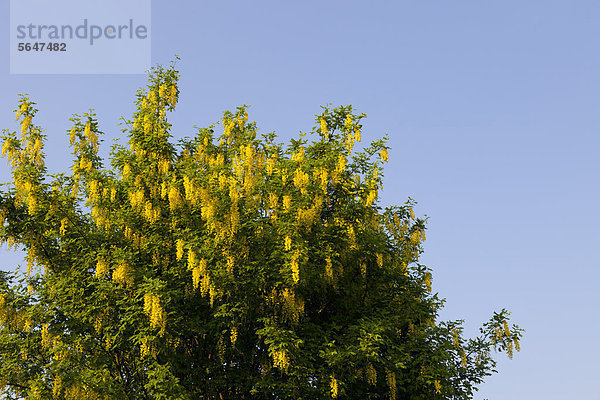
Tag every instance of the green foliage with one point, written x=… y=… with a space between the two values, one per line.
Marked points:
x=228 y=266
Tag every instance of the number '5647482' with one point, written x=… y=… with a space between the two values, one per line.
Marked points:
x=41 y=46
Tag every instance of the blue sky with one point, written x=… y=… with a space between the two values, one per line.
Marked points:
x=492 y=113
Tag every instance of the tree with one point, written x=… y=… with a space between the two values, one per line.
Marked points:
x=229 y=267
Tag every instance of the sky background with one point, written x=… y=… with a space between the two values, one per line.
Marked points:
x=492 y=113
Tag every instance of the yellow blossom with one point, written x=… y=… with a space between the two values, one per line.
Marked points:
x=287 y=202
x=295 y=267
x=273 y=198
x=371 y=373
x=371 y=198
x=179 y=247
x=341 y=163
x=157 y=314
x=301 y=180
x=322 y=175
x=334 y=387
x=324 y=130
x=288 y=243
x=384 y=155
x=233 y=335
x=191 y=261
x=299 y=155
x=391 y=380
x=173 y=96
x=437 y=386
x=357 y=136
x=21 y=110
x=126 y=171
x=328 y=267
x=280 y=359
x=175 y=200
x=123 y=274
x=348 y=121
x=102 y=267
x=271 y=162
x=25 y=125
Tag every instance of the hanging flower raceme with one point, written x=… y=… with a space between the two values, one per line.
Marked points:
x=157 y=314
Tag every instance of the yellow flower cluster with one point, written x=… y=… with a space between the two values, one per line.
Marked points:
x=151 y=213
x=352 y=136
x=348 y=121
x=25 y=125
x=363 y=270
x=230 y=263
x=280 y=359
x=228 y=126
x=179 y=248
x=301 y=180
x=200 y=276
x=324 y=130
x=328 y=266
x=191 y=260
x=21 y=110
x=351 y=236
x=427 y=280
x=322 y=176
x=2 y=302
x=123 y=274
x=193 y=192
x=333 y=385
x=163 y=166
x=295 y=267
x=162 y=90
x=46 y=337
x=31 y=257
x=233 y=335
x=384 y=155
x=391 y=380
x=371 y=374
x=94 y=189
x=455 y=339
x=273 y=200
x=144 y=348
x=341 y=164
x=437 y=386
x=209 y=212
x=136 y=198
x=270 y=168
x=57 y=387
x=293 y=306
x=463 y=357
x=371 y=197
x=417 y=236
x=102 y=267
x=126 y=171
x=287 y=202
x=153 y=308
x=307 y=216
x=175 y=200
x=299 y=155
x=91 y=137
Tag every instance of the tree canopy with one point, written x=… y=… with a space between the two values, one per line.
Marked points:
x=225 y=266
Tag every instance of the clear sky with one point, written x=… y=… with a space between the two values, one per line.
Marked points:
x=492 y=109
